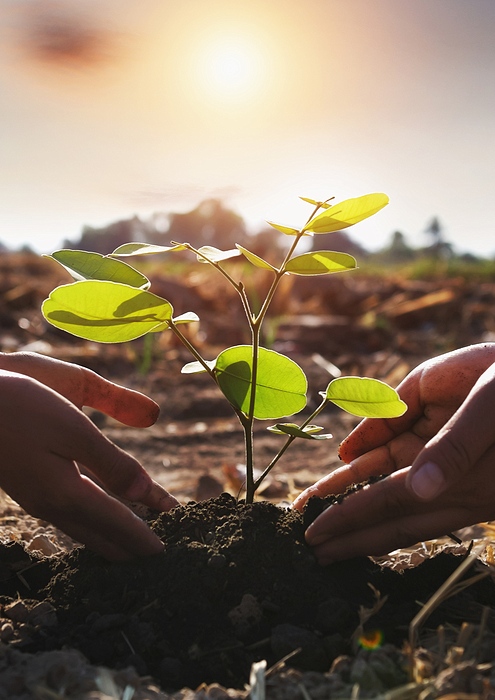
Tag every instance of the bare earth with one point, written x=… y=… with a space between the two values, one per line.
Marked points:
x=196 y=451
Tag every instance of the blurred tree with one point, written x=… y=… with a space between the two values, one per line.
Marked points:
x=439 y=248
x=269 y=244
x=398 y=250
x=210 y=223
x=434 y=230
x=104 y=240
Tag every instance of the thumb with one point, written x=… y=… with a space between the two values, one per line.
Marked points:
x=454 y=451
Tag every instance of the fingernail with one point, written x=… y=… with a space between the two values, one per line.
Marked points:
x=428 y=481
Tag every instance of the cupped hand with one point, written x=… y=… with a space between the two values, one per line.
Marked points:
x=44 y=434
x=438 y=458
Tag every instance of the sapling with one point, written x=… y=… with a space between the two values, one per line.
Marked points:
x=111 y=302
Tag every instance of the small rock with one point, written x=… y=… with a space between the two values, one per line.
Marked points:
x=43 y=614
x=41 y=543
x=17 y=611
x=247 y=614
x=6 y=631
x=287 y=638
x=217 y=561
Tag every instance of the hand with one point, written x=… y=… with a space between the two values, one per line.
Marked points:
x=439 y=457
x=43 y=433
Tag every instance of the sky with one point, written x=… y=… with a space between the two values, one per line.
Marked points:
x=116 y=108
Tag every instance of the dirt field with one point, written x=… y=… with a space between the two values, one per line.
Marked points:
x=372 y=328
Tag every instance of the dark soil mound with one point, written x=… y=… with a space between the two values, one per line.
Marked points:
x=235 y=584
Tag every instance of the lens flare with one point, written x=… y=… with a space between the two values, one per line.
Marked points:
x=373 y=639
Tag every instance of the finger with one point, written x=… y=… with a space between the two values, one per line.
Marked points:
x=92 y=517
x=125 y=405
x=78 y=439
x=398 y=453
x=83 y=387
x=366 y=507
x=147 y=491
x=337 y=482
x=459 y=444
x=124 y=476
x=389 y=535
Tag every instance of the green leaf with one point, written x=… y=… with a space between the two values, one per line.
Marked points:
x=321 y=262
x=281 y=383
x=106 y=312
x=145 y=249
x=83 y=265
x=320 y=205
x=288 y=230
x=364 y=397
x=347 y=213
x=188 y=317
x=213 y=254
x=196 y=367
x=295 y=431
x=255 y=259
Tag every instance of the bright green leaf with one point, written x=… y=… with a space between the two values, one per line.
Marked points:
x=295 y=431
x=313 y=429
x=255 y=259
x=281 y=383
x=320 y=205
x=347 y=213
x=321 y=262
x=145 y=249
x=213 y=254
x=365 y=397
x=196 y=367
x=83 y=265
x=106 y=312
x=288 y=230
x=188 y=317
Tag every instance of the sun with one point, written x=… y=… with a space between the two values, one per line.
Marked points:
x=230 y=68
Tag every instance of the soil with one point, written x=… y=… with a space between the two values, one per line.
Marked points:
x=236 y=585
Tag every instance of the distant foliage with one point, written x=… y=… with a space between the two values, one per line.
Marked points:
x=211 y=221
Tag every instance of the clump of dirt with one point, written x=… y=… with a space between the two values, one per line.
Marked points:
x=235 y=584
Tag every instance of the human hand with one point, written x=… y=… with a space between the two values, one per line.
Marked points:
x=84 y=388
x=42 y=437
x=438 y=455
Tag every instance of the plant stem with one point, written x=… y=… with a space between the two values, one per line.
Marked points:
x=249 y=419
x=255 y=323
x=247 y=425
x=281 y=271
x=191 y=348
x=287 y=444
x=214 y=264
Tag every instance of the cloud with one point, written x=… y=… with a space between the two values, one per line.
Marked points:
x=58 y=34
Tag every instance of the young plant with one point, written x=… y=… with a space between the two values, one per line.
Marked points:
x=110 y=302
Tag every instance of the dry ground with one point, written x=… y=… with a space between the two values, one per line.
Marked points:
x=195 y=449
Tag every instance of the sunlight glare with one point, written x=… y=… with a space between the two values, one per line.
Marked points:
x=230 y=68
